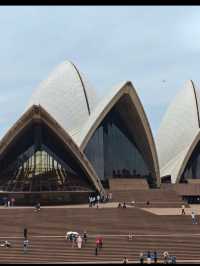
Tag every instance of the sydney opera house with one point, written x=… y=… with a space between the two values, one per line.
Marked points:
x=69 y=143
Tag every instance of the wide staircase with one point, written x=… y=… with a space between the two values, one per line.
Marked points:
x=155 y=198
x=128 y=184
x=47 y=229
x=137 y=190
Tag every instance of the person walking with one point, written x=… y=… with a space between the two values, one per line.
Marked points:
x=85 y=236
x=90 y=201
x=130 y=236
x=148 y=257
x=96 y=251
x=125 y=260
x=155 y=256
x=119 y=205
x=98 y=198
x=73 y=240
x=110 y=196
x=124 y=205
x=194 y=221
x=141 y=257
x=79 y=241
x=70 y=238
x=12 y=201
x=183 y=209
x=173 y=261
x=25 y=244
x=38 y=206
x=166 y=257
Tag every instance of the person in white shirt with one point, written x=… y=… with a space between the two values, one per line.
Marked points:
x=130 y=236
x=98 y=198
x=166 y=257
x=79 y=241
x=125 y=260
x=194 y=221
x=26 y=243
x=110 y=195
x=90 y=201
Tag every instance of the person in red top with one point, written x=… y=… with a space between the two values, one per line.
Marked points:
x=97 y=242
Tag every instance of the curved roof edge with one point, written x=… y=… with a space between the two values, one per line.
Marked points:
x=83 y=86
x=67 y=95
x=38 y=112
x=187 y=156
x=173 y=166
x=178 y=130
x=177 y=165
x=180 y=122
x=105 y=106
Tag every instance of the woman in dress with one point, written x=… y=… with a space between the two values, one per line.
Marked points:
x=79 y=241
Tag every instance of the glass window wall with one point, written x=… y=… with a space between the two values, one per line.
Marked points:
x=113 y=151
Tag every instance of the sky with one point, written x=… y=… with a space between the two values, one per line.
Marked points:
x=157 y=48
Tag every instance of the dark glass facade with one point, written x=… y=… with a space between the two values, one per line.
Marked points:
x=38 y=161
x=192 y=169
x=113 y=151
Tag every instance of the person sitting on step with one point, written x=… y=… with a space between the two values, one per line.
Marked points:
x=124 y=205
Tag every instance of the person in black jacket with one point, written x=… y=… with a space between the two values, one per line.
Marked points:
x=96 y=251
x=155 y=257
x=25 y=233
x=85 y=236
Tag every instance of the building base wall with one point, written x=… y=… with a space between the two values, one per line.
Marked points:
x=45 y=198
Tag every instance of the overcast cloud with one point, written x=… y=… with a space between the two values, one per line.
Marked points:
x=145 y=45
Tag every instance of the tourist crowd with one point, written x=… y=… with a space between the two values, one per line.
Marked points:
x=153 y=257
x=94 y=199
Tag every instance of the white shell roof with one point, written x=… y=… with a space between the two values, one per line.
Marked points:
x=104 y=106
x=100 y=108
x=67 y=96
x=178 y=130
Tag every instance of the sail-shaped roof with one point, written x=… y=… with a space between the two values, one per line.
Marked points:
x=178 y=130
x=137 y=120
x=37 y=114
x=67 y=95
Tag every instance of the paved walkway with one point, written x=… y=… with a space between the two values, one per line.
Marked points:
x=107 y=235
x=156 y=211
x=168 y=211
x=174 y=211
x=78 y=206
x=119 y=262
